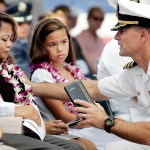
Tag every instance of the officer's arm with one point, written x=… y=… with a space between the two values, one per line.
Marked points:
x=138 y=132
x=56 y=90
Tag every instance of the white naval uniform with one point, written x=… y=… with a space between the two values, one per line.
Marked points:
x=132 y=82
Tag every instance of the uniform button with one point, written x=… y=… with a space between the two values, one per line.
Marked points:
x=138 y=93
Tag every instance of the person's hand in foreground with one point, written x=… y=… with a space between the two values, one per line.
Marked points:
x=56 y=127
x=93 y=115
x=28 y=112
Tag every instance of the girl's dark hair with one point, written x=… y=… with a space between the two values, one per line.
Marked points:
x=38 y=53
x=5 y=18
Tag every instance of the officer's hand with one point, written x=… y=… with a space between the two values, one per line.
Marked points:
x=93 y=115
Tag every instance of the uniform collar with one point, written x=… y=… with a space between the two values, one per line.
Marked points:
x=148 y=70
x=141 y=71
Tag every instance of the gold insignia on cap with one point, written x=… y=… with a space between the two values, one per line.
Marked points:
x=118 y=26
x=22 y=7
x=130 y=65
x=123 y=24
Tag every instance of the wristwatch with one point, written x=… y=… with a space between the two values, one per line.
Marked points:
x=108 y=123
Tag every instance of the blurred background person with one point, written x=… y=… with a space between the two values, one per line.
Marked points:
x=71 y=17
x=60 y=15
x=3 y=5
x=22 y=14
x=65 y=9
x=91 y=44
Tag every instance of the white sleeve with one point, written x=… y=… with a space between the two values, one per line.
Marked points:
x=119 y=86
x=42 y=75
x=7 y=109
x=110 y=61
x=104 y=61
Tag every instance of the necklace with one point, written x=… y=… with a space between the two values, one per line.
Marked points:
x=74 y=70
x=12 y=74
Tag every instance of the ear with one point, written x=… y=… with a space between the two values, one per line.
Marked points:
x=145 y=34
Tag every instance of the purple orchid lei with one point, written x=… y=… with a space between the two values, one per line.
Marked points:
x=75 y=72
x=12 y=74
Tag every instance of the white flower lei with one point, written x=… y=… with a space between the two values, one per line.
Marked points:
x=12 y=74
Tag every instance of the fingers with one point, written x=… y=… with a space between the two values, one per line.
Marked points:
x=36 y=118
x=33 y=114
x=81 y=110
x=28 y=112
x=56 y=121
x=83 y=103
x=62 y=125
x=82 y=116
x=62 y=128
x=53 y=128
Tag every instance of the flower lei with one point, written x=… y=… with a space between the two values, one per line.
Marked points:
x=12 y=74
x=75 y=72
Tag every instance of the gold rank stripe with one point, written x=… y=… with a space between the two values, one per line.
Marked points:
x=130 y=65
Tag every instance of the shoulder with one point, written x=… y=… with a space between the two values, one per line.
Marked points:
x=42 y=75
x=130 y=64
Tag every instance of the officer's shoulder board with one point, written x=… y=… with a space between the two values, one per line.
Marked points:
x=130 y=65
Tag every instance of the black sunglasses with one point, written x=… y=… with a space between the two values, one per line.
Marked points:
x=97 y=18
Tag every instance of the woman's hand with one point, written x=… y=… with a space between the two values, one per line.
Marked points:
x=28 y=112
x=56 y=127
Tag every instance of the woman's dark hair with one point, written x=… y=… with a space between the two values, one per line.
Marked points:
x=5 y=18
x=38 y=54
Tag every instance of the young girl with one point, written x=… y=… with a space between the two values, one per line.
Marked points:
x=16 y=97
x=52 y=58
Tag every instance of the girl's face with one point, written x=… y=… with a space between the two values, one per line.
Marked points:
x=57 y=45
x=6 y=40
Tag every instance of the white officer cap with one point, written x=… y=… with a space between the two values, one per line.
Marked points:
x=113 y=3
x=21 y=12
x=132 y=13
